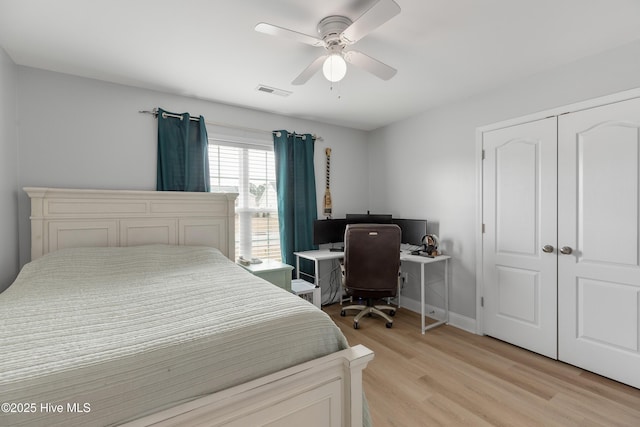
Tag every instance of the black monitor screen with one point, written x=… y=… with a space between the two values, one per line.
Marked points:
x=328 y=231
x=413 y=230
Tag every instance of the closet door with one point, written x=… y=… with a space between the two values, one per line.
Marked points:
x=520 y=226
x=599 y=240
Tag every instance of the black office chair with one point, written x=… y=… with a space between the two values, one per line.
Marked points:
x=371 y=268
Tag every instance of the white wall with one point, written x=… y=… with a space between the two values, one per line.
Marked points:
x=8 y=171
x=83 y=133
x=425 y=166
x=76 y=132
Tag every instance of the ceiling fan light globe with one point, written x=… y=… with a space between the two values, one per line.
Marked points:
x=334 y=68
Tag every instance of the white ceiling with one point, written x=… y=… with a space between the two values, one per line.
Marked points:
x=444 y=50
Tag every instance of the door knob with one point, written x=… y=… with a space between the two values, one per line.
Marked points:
x=547 y=249
x=566 y=250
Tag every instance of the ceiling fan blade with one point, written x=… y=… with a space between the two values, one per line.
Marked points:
x=274 y=30
x=309 y=71
x=376 y=15
x=370 y=64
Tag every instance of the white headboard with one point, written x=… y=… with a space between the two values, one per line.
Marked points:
x=62 y=218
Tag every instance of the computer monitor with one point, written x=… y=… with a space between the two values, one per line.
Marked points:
x=328 y=231
x=413 y=230
x=368 y=218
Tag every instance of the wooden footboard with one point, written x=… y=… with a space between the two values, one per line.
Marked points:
x=322 y=392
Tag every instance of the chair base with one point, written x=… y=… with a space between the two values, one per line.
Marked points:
x=368 y=310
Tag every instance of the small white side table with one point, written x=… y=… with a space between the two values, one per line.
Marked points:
x=272 y=271
x=302 y=287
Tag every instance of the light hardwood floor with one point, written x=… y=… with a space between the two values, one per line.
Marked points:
x=451 y=377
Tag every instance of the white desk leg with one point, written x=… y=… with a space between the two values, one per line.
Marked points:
x=446 y=301
x=422 y=292
x=297 y=266
x=446 y=290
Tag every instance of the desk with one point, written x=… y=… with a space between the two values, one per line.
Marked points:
x=325 y=254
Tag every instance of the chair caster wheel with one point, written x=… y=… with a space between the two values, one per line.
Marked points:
x=389 y=325
x=355 y=325
x=392 y=313
x=343 y=313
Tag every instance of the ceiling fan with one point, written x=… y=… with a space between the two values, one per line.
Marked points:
x=335 y=34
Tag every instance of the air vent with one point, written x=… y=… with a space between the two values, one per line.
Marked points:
x=273 y=90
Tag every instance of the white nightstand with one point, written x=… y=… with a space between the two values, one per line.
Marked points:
x=272 y=271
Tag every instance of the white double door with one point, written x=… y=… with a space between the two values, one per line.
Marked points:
x=561 y=247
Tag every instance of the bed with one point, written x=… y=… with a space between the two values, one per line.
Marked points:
x=131 y=312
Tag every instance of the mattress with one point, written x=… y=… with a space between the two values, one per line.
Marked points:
x=100 y=336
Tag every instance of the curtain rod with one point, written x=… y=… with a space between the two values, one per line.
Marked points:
x=154 y=112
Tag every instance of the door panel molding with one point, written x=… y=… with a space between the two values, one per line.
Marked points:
x=513 y=285
x=611 y=147
x=524 y=155
x=601 y=307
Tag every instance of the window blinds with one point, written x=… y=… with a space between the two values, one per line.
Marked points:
x=249 y=170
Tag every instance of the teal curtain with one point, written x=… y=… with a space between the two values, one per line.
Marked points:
x=296 y=188
x=183 y=158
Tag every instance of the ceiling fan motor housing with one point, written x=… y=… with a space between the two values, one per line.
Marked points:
x=330 y=29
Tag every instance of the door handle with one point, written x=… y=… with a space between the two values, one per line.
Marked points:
x=566 y=250
x=547 y=249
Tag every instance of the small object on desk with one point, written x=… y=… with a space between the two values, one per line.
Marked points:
x=430 y=243
x=243 y=261
x=336 y=249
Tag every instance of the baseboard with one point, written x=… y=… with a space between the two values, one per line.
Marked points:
x=463 y=322
x=459 y=321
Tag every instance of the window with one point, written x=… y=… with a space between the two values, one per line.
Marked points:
x=249 y=170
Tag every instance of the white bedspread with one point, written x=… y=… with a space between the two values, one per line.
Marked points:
x=127 y=331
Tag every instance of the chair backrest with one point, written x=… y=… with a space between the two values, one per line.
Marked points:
x=371 y=260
